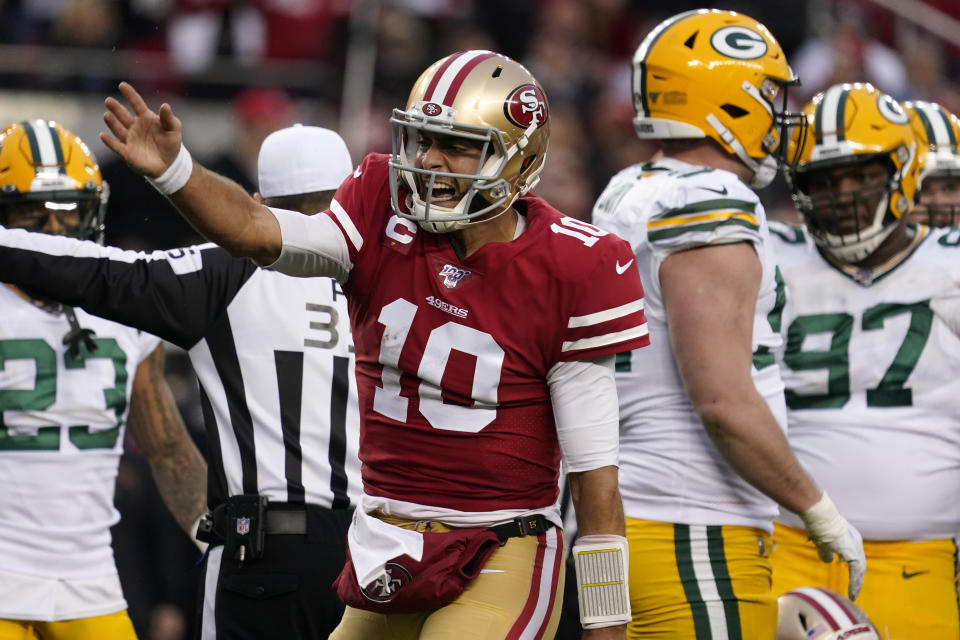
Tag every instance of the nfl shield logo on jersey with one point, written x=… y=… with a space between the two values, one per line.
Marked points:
x=452 y=275
x=243 y=526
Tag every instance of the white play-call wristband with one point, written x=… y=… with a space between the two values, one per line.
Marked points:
x=602 y=564
x=176 y=175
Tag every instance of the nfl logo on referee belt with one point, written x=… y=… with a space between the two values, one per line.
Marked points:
x=452 y=275
x=384 y=588
x=243 y=526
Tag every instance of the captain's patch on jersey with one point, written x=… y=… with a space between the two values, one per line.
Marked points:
x=452 y=275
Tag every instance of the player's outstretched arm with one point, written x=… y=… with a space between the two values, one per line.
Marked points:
x=152 y=144
x=154 y=421
x=710 y=294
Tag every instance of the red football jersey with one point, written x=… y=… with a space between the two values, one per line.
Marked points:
x=452 y=355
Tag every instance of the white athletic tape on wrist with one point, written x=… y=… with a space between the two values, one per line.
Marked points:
x=176 y=175
x=602 y=564
x=823 y=521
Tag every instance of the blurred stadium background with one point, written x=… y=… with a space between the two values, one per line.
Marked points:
x=234 y=70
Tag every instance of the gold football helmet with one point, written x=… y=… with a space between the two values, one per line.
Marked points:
x=938 y=132
x=488 y=100
x=855 y=125
x=45 y=170
x=812 y=613
x=713 y=73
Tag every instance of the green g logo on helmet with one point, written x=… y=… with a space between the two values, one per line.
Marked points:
x=739 y=42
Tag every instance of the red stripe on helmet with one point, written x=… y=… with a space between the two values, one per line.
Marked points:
x=461 y=76
x=843 y=605
x=834 y=625
x=435 y=80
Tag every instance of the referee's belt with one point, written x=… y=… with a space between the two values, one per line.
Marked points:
x=279 y=518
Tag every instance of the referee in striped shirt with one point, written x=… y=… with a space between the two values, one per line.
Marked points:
x=274 y=358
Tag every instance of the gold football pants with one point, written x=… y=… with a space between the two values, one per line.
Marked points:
x=909 y=592
x=517 y=595
x=113 y=626
x=694 y=582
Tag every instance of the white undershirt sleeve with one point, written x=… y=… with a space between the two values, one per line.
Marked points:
x=312 y=246
x=585 y=408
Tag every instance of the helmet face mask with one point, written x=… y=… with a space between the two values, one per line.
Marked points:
x=855 y=130
x=938 y=135
x=716 y=74
x=47 y=172
x=479 y=100
x=939 y=203
x=846 y=204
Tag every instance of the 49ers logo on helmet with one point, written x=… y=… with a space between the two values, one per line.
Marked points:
x=526 y=105
x=432 y=109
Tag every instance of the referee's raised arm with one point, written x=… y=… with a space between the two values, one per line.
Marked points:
x=151 y=143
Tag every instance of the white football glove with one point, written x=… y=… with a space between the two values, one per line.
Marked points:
x=831 y=532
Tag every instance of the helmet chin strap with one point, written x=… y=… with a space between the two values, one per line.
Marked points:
x=764 y=171
x=448 y=226
x=857 y=251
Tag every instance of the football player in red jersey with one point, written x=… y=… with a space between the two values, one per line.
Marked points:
x=466 y=405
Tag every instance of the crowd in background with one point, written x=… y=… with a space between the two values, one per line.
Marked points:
x=274 y=62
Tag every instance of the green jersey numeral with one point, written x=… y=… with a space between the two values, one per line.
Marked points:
x=44 y=394
x=890 y=392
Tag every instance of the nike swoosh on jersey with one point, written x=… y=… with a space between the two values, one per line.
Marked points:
x=722 y=191
x=911 y=574
x=621 y=269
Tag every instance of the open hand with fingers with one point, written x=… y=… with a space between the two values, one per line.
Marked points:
x=832 y=534
x=148 y=141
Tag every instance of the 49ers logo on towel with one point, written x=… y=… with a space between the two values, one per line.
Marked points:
x=384 y=588
x=526 y=105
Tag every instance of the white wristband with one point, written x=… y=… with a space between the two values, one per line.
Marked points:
x=602 y=564
x=176 y=175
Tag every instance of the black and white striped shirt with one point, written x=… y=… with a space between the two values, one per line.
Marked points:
x=273 y=354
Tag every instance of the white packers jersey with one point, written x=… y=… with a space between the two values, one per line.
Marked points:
x=61 y=436
x=670 y=470
x=872 y=371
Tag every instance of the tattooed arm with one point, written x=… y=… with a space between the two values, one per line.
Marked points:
x=178 y=468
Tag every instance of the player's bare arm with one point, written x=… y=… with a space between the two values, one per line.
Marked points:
x=155 y=423
x=599 y=508
x=150 y=142
x=713 y=352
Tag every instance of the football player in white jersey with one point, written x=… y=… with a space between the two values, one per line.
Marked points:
x=70 y=384
x=938 y=134
x=872 y=363
x=704 y=457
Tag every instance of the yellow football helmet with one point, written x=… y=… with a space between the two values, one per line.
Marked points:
x=852 y=125
x=812 y=613
x=713 y=73
x=44 y=165
x=482 y=97
x=938 y=132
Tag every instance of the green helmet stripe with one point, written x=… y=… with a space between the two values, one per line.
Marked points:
x=45 y=147
x=57 y=147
